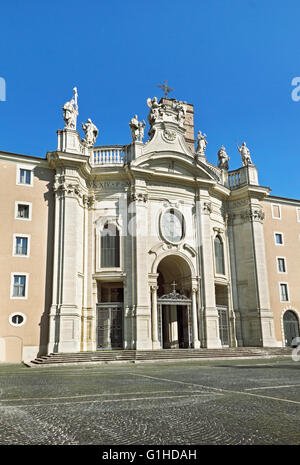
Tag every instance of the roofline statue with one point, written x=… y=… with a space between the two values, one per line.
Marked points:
x=70 y=109
x=245 y=154
x=91 y=133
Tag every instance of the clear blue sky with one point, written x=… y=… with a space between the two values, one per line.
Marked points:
x=233 y=59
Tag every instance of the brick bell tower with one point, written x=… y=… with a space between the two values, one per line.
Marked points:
x=189 y=121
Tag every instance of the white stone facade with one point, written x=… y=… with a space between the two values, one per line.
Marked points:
x=190 y=267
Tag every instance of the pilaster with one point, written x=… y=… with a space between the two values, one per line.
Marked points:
x=211 y=318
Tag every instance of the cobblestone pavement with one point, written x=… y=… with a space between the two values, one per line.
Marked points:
x=215 y=402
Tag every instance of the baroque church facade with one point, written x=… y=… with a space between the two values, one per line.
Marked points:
x=145 y=246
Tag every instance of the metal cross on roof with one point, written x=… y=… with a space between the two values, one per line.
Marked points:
x=165 y=88
x=174 y=287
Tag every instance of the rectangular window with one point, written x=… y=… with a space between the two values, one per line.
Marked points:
x=276 y=212
x=21 y=245
x=23 y=211
x=281 y=265
x=284 y=296
x=298 y=215
x=19 y=286
x=278 y=238
x=25 y=176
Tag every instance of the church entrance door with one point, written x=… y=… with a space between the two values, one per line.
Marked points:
x=175 y=326
x=174 y=305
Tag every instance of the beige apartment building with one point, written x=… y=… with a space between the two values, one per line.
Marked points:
x=143 y=246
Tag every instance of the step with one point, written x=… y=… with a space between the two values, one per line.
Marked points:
x=166 y=354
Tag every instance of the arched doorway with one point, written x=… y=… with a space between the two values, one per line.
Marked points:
x=290 y=326
x=174 y=303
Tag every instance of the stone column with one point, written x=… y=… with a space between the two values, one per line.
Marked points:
x=196 y=343
x=155 y=342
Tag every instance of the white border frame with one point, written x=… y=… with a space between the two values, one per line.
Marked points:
x=14 y=324
x=19 y=273
x=280 y=215
x=161 y=234
x=282 y=235
x=14 y=254
x=20 y=202
x=288 y=292
x=117 y=223
x=24 y=167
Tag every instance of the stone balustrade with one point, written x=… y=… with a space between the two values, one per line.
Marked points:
x=109 y=155
x=242 y=176
x=234 y=179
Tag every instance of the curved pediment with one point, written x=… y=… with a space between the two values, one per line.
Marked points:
x=166 y=137
x=174 y=163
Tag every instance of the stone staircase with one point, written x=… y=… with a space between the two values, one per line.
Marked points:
x=163 y=355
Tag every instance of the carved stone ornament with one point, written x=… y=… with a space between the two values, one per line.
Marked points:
x=207 y=208
x=218 y=230
x=253 y=215
x=138 y=197
x=154 y=288
x=169 y=135
x=174 y=296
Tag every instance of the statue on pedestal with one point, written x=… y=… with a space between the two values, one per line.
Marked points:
x=91 y=133
x=180 y=107
x=223 y=159
x=155 y=109
x=201 y=143
x=137 y=129
x=71 y=111
x=245 y=153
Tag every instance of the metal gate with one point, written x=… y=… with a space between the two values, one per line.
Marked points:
x=110 y=325
x=223 y=325
x=291 y=327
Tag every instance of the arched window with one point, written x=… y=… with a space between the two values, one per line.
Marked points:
x=110 y=246
x=219 y=255
x=290 y=326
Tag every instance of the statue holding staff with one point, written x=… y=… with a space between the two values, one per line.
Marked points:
x=245 y=154
x=70 y=109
